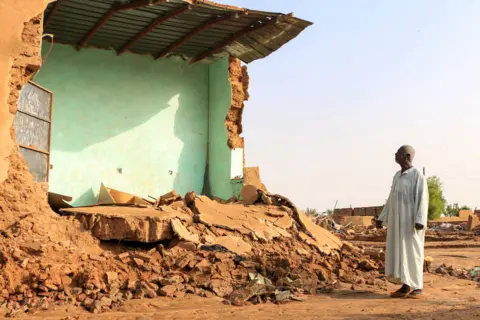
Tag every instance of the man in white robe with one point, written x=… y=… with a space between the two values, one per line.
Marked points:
x=405 y=214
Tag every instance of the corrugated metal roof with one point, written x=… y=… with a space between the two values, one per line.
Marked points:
x=193 y=29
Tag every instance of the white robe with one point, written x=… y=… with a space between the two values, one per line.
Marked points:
x=407 y=204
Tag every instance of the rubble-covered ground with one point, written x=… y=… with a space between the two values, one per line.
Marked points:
x=446 y=298
x=268 y=252
x=372 y=234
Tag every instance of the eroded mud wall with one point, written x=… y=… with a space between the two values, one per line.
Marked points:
x=239 y=80
x=20 y=38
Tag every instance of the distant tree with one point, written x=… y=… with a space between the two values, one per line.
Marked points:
x=453 y=210
x=329 y=212
x=311 y=212
x=436 y=205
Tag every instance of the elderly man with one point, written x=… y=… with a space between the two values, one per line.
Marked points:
x=405 y=215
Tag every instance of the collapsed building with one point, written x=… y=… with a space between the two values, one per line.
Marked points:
x=88 y=116
x=147 y=96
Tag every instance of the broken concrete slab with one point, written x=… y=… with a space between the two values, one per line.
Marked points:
x=108 y=195
x=167 y=199
x=128 y=223
x=182 y=233
x=234 y=244
x=237 y=217
x=321 y=238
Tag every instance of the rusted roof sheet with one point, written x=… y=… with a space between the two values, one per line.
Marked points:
x=205 y=30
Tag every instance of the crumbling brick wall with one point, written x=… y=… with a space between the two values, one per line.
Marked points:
x=239 y=81
x=21 y=24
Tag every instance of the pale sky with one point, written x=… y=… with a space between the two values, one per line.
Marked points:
x=329 y=109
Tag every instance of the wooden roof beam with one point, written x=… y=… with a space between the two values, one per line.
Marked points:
x=260 y=24
x=194 y=32
x=116 y=7
x=52 y=13
x=152 y=26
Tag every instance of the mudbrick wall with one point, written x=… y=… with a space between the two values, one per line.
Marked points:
x=21 y=25
x=239 y=81
x=20 y=39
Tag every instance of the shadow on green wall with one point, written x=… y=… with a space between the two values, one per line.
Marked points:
x=188 y=175
x=99 y=96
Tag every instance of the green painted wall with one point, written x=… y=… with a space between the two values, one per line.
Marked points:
x=224 y=163
x=147 y=117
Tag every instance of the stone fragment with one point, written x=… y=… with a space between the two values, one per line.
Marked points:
x=81 y=297
x=282 y=296
x=24 y=263
x=182 y=233
x=234 y=244
x=190 y=198
x=139 y=294
x=204 y=263
x=131 y=284
x=112 y=277
x=149 y=292
x=303 y=252
x=168 y=290
x=138 y=262
x=95 y=257
x=167 y=199
x=88 y=302
x=51 y=287
x=368 y=265
x=172 y=280
x=183 y=261
x=220 y=287
x=18 y=254
x=209 y=239
x=242 y=295
x=124 y=255
x=184 y=245
x=128 y=295
x=143 y=256
x=249 y=194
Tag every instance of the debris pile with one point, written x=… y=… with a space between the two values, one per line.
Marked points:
x=245 y=254
x=372 y=234
x=461 y=273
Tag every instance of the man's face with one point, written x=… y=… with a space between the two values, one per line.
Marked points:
x=401 y=157
x=398 y=157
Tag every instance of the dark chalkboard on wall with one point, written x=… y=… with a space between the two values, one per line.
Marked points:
x=33 y=128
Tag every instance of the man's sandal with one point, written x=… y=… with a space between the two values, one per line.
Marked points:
x=416 y=294
x=401 y=293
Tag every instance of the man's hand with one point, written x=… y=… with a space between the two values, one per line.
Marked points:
x=379 y=224
x=419 y=226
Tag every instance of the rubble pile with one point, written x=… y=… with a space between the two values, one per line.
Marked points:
x=372 y=234
x=275 y=254
x=461 y=273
